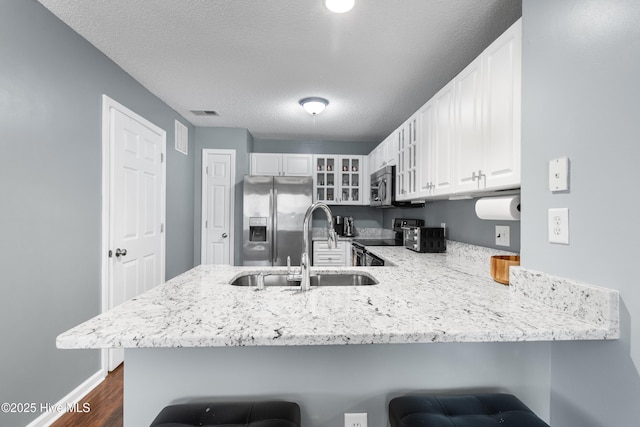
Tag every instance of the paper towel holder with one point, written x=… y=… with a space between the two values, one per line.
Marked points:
x=507 y=208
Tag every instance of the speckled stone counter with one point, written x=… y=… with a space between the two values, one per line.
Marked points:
x=423 y=298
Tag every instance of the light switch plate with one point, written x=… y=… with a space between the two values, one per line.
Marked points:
x=559 y=174
x=502 y=235
x=559 y=226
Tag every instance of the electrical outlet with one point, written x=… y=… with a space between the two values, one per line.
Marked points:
x=444 y=227
x=355 y=420
x=559 y=226
x=503 y=237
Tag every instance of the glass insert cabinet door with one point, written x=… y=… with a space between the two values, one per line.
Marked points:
x=338 y=179
x=350 y=179
x=325 y=179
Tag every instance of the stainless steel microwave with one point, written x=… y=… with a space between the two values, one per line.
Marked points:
x=383 y=187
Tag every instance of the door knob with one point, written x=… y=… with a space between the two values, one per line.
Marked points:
x=225 y=235
x=121 y=252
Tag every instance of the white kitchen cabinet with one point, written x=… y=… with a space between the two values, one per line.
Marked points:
x=466 y=138
x=468 y=160
x=388 y=152
x=383 y=155
x=339 y=179
x=488 y=99
x=406 y=168
x=435 y=145
x=470 y=130
x=281 y=164
x=266 y=164
x=374 y=158
x=328 y=257
x=426 y=149
x=502 y=70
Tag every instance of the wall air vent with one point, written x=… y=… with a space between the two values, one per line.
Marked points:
x=206 y=113
x=182 y=138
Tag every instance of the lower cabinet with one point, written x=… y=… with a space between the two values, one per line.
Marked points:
x=323 y=256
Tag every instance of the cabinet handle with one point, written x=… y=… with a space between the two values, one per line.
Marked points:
x=479 y=176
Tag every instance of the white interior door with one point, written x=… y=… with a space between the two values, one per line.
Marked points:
x=218 y=176
x=136 y=253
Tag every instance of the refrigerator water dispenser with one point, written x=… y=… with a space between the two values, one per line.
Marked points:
x=258 y=229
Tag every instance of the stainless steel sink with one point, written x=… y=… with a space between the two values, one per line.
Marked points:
x=326 y=279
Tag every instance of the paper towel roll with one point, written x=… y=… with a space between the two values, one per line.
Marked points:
x=499 y=208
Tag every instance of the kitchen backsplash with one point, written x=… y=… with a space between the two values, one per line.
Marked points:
x=369 y=232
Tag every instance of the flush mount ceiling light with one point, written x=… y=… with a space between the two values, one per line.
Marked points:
x=314 y=105
x=339 y=6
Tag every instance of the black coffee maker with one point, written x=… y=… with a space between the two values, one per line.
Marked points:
x=338 y=225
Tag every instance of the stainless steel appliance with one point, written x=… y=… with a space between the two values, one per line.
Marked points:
x=383 y=187
x=361 y=257
x=383 y=190
x=274 y=208
x=357 y=254
x=425 y=239
x=371 y=260
x=349 y=230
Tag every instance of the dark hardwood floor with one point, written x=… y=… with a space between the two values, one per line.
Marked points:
x=104 y=403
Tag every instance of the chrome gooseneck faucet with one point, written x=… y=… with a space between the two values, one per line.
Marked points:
x=305 y=263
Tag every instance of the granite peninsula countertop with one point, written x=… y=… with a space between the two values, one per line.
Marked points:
x=423 y=298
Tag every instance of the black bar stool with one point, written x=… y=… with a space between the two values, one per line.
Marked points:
x=262 y=414
x=472 y=410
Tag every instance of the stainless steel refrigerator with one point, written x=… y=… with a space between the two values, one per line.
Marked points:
x=274 y=208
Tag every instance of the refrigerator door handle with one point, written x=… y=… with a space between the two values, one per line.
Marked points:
x=274 y=231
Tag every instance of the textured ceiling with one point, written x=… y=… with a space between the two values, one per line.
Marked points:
x=252 y=60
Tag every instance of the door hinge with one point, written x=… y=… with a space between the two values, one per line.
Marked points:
x=162 y=227
x=206 y=224
x=161 y=157
x=207 y=170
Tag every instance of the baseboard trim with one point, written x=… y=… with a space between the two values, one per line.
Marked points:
x=49 y=417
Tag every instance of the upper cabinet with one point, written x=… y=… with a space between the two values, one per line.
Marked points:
x=406 y=138
x=502 y=70
x=339 y=179
x=436 y=148
x=281 y=164
x=466 y=138
x=383 y=155
x=469 y=162
x=488 y=99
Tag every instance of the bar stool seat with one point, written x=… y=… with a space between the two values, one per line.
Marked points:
x=230 y=414
x=472 y=410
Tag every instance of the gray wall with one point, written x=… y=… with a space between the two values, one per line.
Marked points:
x=581 y=62
x=462 y=224
x=329 y=380
x=236 y=139
x=51 y=82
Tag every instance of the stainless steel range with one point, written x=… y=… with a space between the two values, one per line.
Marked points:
x=361 y=257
